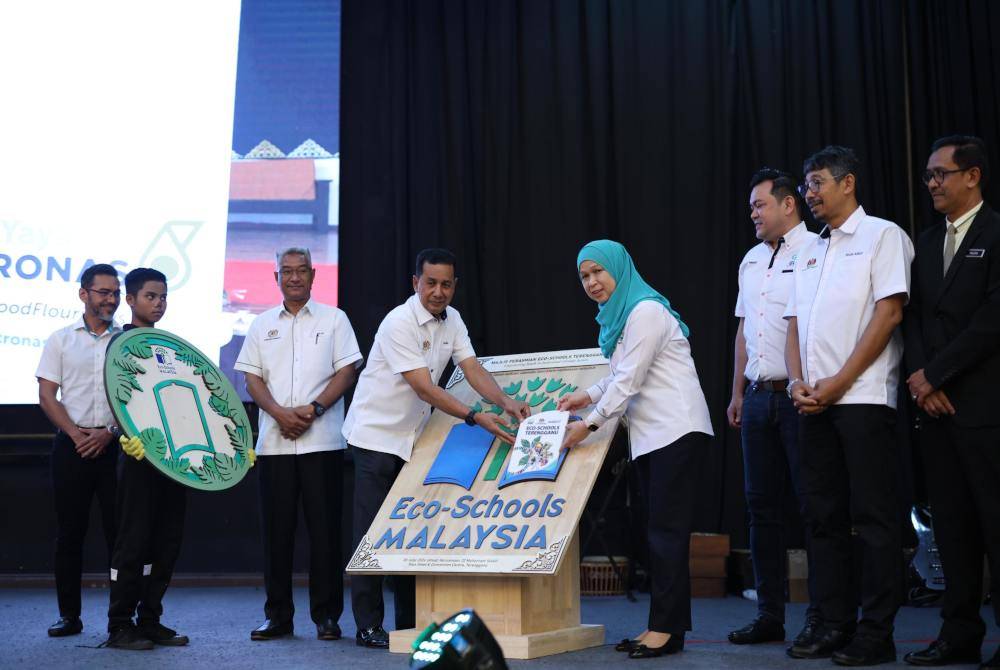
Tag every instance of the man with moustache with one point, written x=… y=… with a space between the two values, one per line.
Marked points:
x=71 y=393
x=953 y=354
x=760 y=408
x=391 y=405
x=299 y=359
x=843 y=352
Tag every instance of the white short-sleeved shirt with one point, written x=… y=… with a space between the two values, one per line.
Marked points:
x=386 y=415
x=73 y=357
x=653 y=381
x=296 y=355
x=838 y=279
x=764 y=291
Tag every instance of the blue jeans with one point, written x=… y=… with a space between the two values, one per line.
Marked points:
x=771 y=456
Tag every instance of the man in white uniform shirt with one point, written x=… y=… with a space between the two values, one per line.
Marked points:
x=71 y=393
x=393 y=401
x=843 y=352
x=760 y=408
x=299 y=358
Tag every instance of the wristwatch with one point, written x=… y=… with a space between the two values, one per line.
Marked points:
x=320 y=410
x=788 y=389
x=470 y=418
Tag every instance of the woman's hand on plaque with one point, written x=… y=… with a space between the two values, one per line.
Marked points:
x=576 y=432
x=575 y=400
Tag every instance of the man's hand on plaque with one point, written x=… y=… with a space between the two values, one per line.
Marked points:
x=491 y=422
x=517 y=409
x=573 y=401
x=576 y=432
x=132 y=446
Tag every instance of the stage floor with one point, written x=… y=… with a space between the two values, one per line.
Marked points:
x=219 y=621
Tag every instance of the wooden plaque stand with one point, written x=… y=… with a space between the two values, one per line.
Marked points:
x=530 y=616
x=512 y=554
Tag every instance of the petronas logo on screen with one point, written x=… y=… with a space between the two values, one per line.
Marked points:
x=168 y=251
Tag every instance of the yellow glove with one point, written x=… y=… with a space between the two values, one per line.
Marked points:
x=132 y=446
x=252 y=456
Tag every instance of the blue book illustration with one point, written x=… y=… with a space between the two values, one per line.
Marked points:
x=537 y=454
x=461 y=456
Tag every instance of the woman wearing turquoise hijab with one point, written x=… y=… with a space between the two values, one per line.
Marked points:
x=654 y=383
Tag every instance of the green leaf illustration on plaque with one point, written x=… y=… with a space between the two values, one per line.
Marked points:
x=495 y=409
x=513 y=388
x=537 y=399
x=535 y=384
x=521 y=398
x=554 y=385
x=549 y=406
x=190 y=419
x=566 y=389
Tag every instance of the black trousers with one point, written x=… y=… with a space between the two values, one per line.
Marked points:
x=75 y=482
x=771 y=466
x=963 y=481
x=151 y=511
x=849 y=461
x=374 y=474
x=316 y=479
x=668 y=478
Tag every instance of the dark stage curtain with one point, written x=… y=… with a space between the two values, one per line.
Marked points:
x=513 y=132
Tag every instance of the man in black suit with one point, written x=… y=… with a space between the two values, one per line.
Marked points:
x=952 y=329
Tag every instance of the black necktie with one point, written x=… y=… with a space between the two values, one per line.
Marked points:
x=777 y=248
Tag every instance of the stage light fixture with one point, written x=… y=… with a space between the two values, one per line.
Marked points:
x=461 y=642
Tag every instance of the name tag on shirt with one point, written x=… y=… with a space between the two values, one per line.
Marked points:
x=976 y=253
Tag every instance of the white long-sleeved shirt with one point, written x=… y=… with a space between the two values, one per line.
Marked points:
x=653 y=382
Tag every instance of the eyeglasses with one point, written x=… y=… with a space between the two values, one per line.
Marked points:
x=813 y=185
x=938 y=175
x=104 y=293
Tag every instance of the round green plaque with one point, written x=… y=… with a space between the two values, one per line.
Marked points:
x=191 y=422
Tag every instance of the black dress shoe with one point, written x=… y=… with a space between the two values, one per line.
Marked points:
x=672 y=646
x=627 y=644
x=328 y=630
x=822 y=646
x=374 y=637
x=271 y=630
x=942 y=652
x=757 y=631
x=157 y=633
x=865 y=650
x=994 y=662
x=67 y=625
x=810 y=633
x=129 y=638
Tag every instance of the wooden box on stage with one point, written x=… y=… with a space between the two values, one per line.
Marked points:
x=512 y=554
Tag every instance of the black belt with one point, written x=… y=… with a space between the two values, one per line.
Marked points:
x=772 y=386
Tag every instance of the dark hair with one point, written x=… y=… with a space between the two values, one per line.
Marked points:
x=87 y=278
x=137 y=278
x=435 y=257
x=970 y=152
x=783 y=184
x=841 y=161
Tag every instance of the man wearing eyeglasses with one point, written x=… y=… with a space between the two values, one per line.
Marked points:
x=71 y=393
x=843 y=351
x=952 y=331
x=766 y=417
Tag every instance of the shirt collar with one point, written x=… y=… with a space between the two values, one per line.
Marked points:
x=80 y=324
x=424 y=316
x=307 y=308
x=965 y=218
x=850 y=226
x=793 y=235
